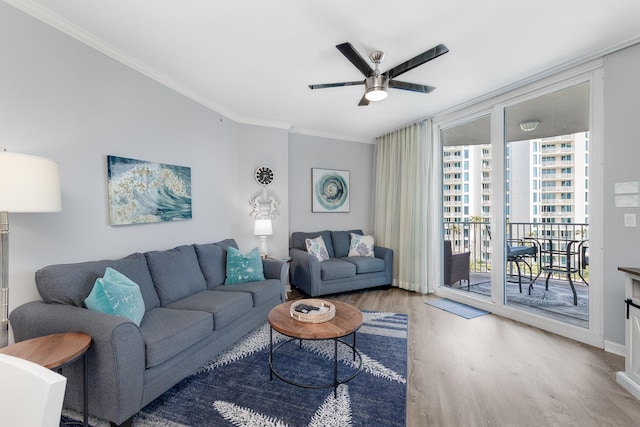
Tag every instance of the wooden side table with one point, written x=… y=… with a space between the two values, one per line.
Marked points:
x=54 y=352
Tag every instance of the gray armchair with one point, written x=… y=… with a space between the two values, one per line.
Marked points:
x=456 y=266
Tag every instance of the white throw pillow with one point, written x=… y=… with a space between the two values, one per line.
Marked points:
x=361 y=245
x=317 y=248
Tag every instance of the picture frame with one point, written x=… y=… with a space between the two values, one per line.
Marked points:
x=330 y=191
x=142 y=192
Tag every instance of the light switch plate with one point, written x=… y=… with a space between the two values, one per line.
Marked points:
x=629 y=220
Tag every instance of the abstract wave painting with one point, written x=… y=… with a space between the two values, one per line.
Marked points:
x=330 y=190
x=143 y=192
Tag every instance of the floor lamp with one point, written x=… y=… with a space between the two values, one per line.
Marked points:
x=27 y=184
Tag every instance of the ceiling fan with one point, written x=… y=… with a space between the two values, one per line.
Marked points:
x=376 y=83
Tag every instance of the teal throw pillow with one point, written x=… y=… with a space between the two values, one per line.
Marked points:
x=115 y=293
x=242 y=268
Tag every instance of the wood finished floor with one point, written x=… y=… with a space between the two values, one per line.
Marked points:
x=492 y=371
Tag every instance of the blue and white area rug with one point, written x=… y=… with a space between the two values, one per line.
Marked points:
x=235 y=389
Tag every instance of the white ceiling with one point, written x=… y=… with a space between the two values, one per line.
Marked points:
x=252 y=60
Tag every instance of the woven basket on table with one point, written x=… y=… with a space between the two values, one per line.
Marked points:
x=327 y=311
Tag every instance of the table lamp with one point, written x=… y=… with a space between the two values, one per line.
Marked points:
x=27 y=184
x=263 y=228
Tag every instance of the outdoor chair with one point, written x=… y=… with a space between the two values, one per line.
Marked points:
x=456 y=266
x=521 y=251
x=524 y=252
x=584 y=259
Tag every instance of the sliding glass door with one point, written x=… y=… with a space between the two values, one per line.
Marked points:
x=547 y=204
x=517 y=200
x=466 y=205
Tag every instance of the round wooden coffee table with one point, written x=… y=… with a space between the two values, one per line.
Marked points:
x=347 y=321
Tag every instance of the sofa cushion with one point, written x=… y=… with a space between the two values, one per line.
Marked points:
x=341 y=241
x=261 y=292
x=226 y=243
x=242 y=268
x=225 y=306
x=72 y=283
x=335 y=268
x=167 y=332
x=212 y=259
x=317 y=248
x=361 y=245
x=366 y=264
x=176 y=273
x=298 y=240
x=116 y=294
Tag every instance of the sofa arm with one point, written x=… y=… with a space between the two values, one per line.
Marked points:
x=116 y=356
x=276 y=269
x=387 y=255
x=305 y=271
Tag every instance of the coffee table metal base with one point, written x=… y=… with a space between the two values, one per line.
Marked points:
x=336 y=381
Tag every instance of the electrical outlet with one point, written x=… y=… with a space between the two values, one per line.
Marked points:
x=629 y=220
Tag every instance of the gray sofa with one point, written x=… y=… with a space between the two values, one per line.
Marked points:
x=190 y=317
x=340 y=272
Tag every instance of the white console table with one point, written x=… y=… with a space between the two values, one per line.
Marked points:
x=630 y=378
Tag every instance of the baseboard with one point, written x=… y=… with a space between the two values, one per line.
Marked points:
x=615 y=348
x=628 y=385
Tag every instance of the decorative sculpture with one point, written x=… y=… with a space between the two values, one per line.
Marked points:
x=264 y=204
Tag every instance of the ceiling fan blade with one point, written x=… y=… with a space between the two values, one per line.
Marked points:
x=417 y=61
x=326 y=85
x=413 y=87
x=363 y=102
x=355 y=58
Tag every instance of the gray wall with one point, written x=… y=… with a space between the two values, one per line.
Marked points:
x=65 y=101
x=621 y=156
x=307 y=152
x=260 y=146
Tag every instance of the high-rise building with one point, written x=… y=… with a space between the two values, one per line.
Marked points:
x=546 y=183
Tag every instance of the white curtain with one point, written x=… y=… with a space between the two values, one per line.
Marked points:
x=406 y=205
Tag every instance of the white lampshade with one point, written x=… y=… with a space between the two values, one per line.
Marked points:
x=263 y=227
x=29 y=184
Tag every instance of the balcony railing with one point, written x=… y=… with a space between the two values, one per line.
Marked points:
x=475 y=237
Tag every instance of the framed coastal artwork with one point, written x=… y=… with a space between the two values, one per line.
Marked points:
x=143 y=192
x=330 y=190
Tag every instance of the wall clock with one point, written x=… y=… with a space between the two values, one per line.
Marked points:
x=264 y=175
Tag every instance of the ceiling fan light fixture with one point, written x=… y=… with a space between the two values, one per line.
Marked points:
x=377 y=86
x=529 y=125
